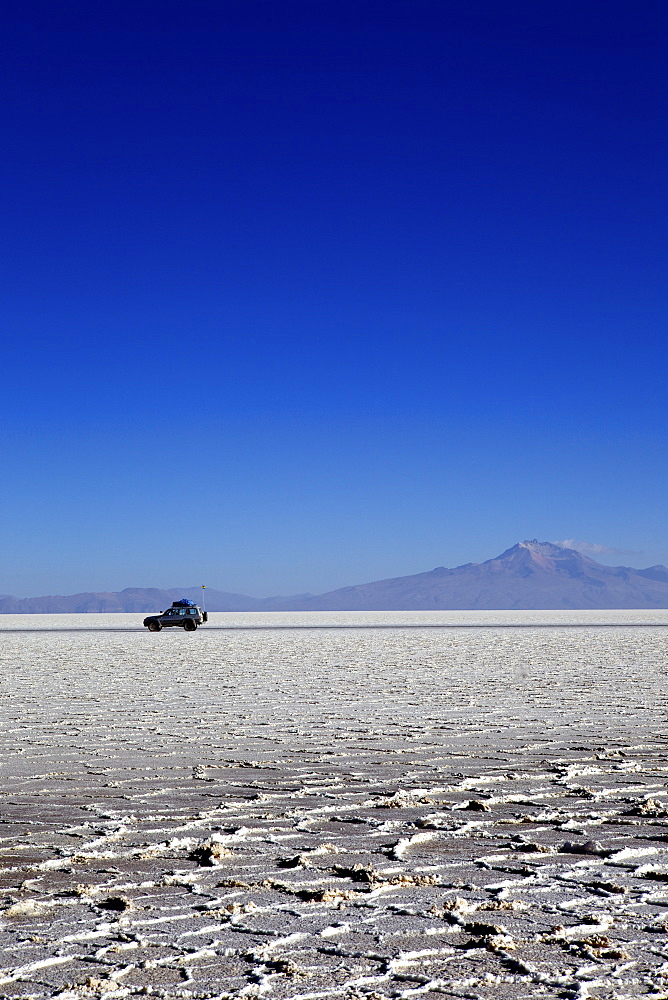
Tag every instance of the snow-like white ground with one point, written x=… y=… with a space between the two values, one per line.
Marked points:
x=349 y=805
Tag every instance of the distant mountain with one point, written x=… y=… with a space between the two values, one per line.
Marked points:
x=655 y=573
x=530 y=576
x=133 y=599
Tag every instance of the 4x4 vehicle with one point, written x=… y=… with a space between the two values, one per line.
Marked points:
x=184 y=613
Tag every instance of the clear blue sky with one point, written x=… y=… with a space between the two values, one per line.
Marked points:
x=303 y=294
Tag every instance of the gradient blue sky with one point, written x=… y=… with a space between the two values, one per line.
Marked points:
x=304 y=294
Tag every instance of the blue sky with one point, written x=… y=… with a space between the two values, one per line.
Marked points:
x=297 y=295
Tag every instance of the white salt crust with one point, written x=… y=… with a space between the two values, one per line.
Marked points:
x=349 y=805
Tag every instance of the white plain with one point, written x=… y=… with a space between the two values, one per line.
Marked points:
x=339 y=804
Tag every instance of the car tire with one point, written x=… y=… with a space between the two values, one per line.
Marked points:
x=154 y=626
x=189 y=625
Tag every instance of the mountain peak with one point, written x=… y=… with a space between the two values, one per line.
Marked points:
x=550 y=549
x=531 y=556
x=533 y=549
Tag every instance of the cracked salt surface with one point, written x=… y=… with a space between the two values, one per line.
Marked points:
x=357 y=811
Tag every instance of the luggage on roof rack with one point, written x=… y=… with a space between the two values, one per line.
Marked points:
x=184 y=603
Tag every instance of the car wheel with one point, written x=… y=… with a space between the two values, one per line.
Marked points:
x=154 y=626
x=189 y=625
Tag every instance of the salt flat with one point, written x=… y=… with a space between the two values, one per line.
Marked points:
x=331 y=805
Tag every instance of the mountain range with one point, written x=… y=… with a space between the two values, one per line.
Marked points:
x=529 y=576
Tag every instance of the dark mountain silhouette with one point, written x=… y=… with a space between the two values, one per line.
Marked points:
x=529 y=576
